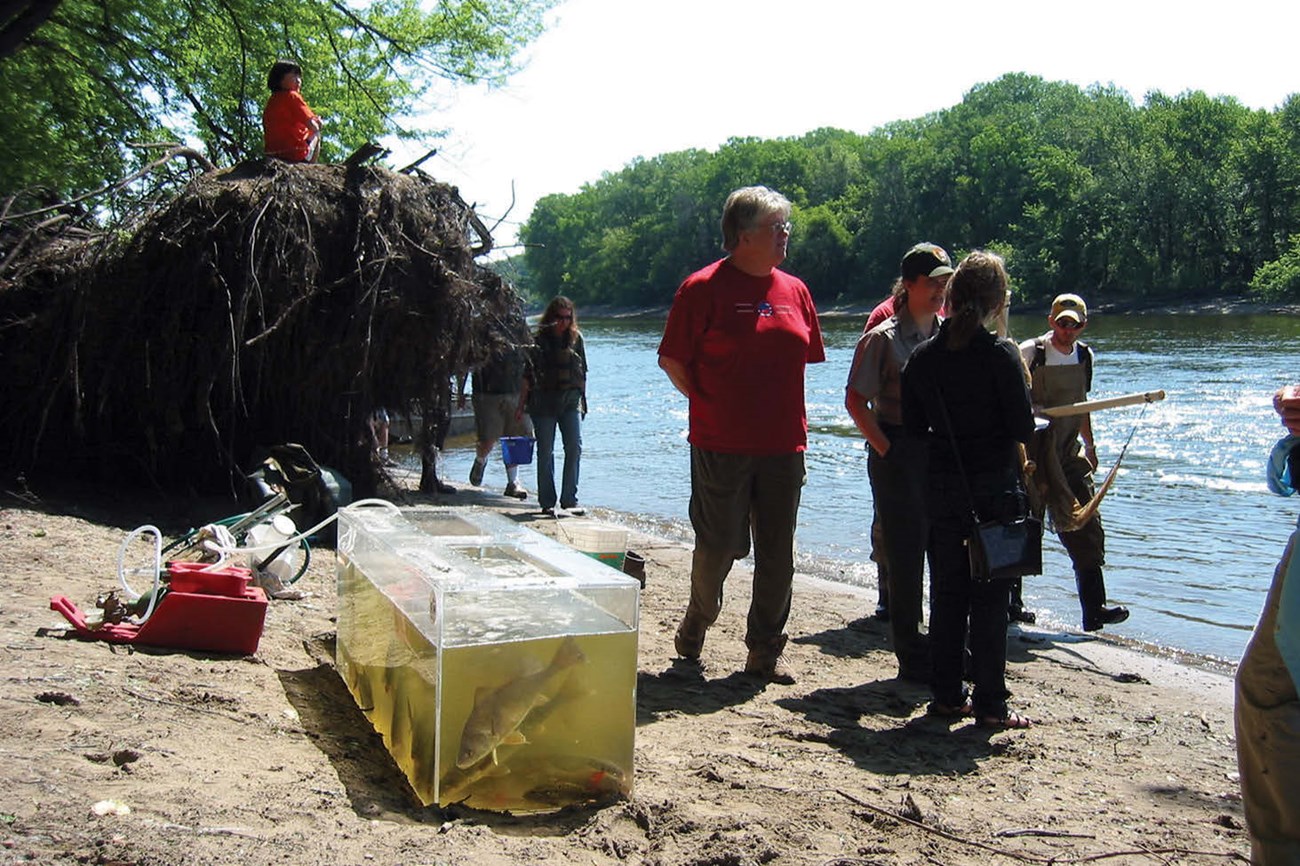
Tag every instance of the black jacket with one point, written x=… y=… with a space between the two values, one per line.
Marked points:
x=982 y=387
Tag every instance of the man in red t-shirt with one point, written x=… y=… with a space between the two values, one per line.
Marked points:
x=290 y=130
x=739 y=335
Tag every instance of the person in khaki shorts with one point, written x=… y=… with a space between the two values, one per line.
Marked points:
x=496 y=398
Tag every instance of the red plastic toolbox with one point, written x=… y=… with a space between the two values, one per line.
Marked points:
x=185 y=620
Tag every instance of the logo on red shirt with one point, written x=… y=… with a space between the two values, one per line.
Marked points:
x=765 y=309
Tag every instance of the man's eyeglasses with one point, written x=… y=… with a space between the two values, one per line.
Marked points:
x=782 y=228
x=1069 y=324
x=564 y=317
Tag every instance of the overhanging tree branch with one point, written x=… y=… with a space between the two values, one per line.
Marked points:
x=370 y=28
x=98 y=72
x=175 y=151
x=21 y=20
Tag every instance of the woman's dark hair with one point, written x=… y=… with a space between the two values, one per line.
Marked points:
x=978 y=289
x=279 y=70
x=558 y=306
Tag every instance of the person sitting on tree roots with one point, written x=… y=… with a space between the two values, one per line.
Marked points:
x=290 y=130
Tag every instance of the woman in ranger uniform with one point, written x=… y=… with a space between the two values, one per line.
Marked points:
x=896 y=462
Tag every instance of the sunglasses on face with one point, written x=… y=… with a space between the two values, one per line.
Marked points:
x=1069 y=324
x=563 y=317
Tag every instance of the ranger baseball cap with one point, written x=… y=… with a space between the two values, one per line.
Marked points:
x=925 y=260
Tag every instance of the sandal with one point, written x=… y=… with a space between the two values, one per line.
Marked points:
x=947 y=711
x=1010 y=722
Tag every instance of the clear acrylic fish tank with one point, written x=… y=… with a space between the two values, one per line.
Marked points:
x=498 y=665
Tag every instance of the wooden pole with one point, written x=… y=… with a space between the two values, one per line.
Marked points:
x=1096 y=405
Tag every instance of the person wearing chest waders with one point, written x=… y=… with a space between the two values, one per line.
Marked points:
x=497 y=385
x=1060 y=370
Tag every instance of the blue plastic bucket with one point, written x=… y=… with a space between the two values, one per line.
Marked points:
x=516 y=450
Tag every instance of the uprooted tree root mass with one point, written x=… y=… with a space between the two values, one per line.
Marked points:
x=267 y=303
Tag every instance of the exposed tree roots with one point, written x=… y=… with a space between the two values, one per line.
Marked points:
x=268 y=303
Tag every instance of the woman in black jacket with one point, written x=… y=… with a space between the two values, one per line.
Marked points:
x=968 y=386
x=555 y=395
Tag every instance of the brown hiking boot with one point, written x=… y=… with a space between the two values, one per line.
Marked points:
x=765 y=661
x=689 y=640
x=774 y=670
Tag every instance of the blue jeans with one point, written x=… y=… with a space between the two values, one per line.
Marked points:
x=571 y=432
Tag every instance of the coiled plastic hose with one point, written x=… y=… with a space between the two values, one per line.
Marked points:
x=224 y=549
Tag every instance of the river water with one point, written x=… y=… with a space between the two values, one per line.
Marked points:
x=1193 y=534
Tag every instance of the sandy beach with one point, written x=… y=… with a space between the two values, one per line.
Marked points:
x=266 y=759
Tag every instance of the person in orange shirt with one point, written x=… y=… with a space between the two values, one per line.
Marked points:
x=290 y=129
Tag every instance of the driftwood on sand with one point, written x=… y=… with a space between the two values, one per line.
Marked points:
x=267 y=303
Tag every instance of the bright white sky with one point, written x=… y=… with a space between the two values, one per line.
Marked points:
x=612 y=80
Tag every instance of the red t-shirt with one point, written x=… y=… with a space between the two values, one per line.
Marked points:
x=286 y=126
x=883 y=310
x=745 y=341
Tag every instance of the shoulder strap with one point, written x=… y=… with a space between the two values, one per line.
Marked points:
x=1040 y=354
x=1085 y=355
x=1040 y=358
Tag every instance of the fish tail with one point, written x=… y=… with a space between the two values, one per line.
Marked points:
x=569 y=654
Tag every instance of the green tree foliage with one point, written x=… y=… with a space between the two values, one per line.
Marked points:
x=622 y=240
x=1279 y=280
x=1081 y=189
x=819 y=252
x=92 y=75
